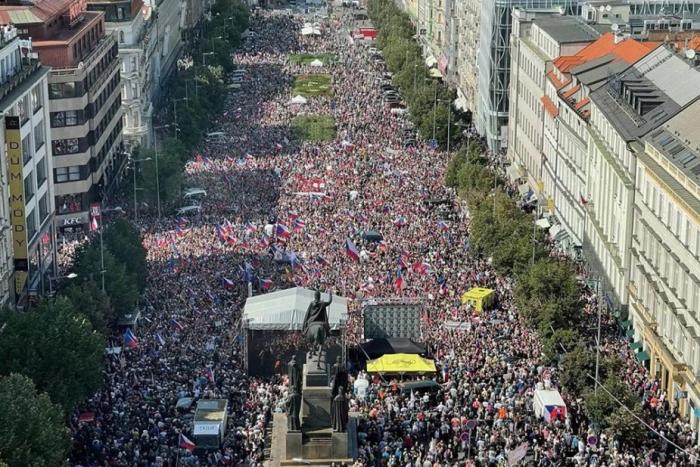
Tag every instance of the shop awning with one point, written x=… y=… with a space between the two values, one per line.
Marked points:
x=642 y=356
x=626 y=324
x=430 y=61
x=630 y=332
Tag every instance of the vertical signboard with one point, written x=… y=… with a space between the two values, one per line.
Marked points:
x=13 y=139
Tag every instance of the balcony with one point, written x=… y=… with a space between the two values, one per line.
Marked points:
x=105 y=43
x=25 y=71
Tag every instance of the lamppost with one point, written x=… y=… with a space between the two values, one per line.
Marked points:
x=204 y=57
x=175 y=101
x=449 y=118
x=155 y=137
x=72 y=275
x=136 y=206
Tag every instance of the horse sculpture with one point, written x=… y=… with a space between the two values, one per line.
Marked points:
x=316 y=327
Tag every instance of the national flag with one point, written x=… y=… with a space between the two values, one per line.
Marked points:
x=299 y=225
x=445 y=373
x=228 y=283
x=382 y=246
x=177 y=324
x=209 y=374
x=180 y=232
x=265 y=283
x=221 y=233
x=322 y=261
x=443 y=288
x=160 y=339
x=351 y=250
x=293 y=214
x=442 y=225
x=185 y=443
x=93 y=225
x=400 y=221
x=583 y=199
x=250 y=228
x=249 y=158
x=417 y=266
x=403 y=262
x=400 y=282
x=130 y=340
x=295 y=261
x=282 y=230
x=247 y=270
x=182 y=221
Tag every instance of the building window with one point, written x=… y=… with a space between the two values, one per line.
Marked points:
x=43 y=208
x=37 y=99
x=61 y=90
x=39 y=137
x=67 y=118
x=26 y=150
x=67 y=204
x=41 y=172
x=66 y=146
x=67 y=174
x=28 y=188
x=121 y=37
x=31 y=225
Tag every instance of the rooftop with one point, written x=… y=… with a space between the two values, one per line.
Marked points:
x=647 y=94
x=679 y=140
x=32 y=12
x=568 y=29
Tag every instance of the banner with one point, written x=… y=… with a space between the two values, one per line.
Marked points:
x=13 y=139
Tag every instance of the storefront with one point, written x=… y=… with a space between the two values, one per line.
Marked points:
x=71 y=223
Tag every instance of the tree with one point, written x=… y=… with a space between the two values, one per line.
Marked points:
x=600 y=405
x=32 y=432
x=625 y=426
x=549 y=282
x=556 y=344
x=55 y=346
x=577 y=365
x=169 y=174
x=121 y=287
x=124 y=242
x=93 y=303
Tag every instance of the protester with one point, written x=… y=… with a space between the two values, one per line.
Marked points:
x=280 y=213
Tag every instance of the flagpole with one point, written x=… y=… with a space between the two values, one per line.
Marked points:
x=102 y=257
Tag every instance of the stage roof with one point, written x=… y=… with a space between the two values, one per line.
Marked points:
x=284 y=310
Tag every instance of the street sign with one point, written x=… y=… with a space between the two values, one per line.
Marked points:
x=465 y=436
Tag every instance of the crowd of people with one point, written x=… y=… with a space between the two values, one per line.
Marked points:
x=280 y=212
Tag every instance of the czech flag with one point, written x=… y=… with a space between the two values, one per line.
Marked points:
x=228 y=283
x=382 y=246
x=400 y=221
x=282 y=230
x=250 y=228
x=185 y=443
x=299 y=225
x=220 y=233
x=93 y=225
x=445 y=374
x=321 y=260
x=442 y=225
x=130 y=340
x=209 y=374
x=293 y=214
x=265 y=283
x=400 y=282
x=351 y=250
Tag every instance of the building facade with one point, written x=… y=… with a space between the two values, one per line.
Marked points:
x=27 y=238
x=665 y=266
x=84 y=99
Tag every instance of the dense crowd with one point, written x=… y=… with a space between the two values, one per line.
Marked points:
x=280 y=212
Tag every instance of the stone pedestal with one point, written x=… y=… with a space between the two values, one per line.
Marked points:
x=294 y=444
x=316 y=395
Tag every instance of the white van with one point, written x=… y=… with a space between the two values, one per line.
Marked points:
x=189 y=210
x=194 y=193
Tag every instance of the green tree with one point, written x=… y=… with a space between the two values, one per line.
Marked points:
x=600 y=405
x=625 y=426
x=121 y=287
x=556 y=344
x=577 y=365
x=169 y=172
x=55 y=346
x=93 y=303
x=123 y=240
x=549 y=282
x=32 y=431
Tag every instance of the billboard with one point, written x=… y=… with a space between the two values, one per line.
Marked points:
x=18 y=221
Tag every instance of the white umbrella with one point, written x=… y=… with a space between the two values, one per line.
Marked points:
x=298 y=100
x=316 y=62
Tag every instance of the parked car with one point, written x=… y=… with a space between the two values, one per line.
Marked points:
x=194 y=193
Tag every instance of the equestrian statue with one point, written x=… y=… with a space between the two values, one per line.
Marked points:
x=316 y=327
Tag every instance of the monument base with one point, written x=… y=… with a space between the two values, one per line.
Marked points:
x=316 y=395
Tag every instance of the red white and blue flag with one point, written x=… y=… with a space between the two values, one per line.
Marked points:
x=265 y=283
x=282 y=230
x=400 y=282
x=442 y=225
x=400 y=221
x=351 y=250
x=299 y=225
x=185 y=443
x=130 y=340
x=228 y=283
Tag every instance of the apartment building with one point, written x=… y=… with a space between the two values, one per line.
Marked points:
x=84 y=100
x=134 y=24
x=463 y=58
x=538 y=37
x=665 y=266
x=27 y=245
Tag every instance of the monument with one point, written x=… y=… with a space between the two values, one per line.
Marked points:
x=317 y=409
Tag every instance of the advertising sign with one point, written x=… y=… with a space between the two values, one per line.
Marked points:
x=13 y=139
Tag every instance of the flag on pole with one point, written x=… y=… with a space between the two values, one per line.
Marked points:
x=445 y=373
x=185 y=443
x=177 y=324
x=400 y=282
x=93 y=224
x=282 y=230
x=583 y=199
x=299 y=225
x=160 y=339
x=265 y=283
x=130 y=340
x=228 y=283
x=209 y=373
x=351 y=250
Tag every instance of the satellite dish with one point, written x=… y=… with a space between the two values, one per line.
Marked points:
x=615 y=27
x=608 y=8
x=601 y=8
x=690 y=54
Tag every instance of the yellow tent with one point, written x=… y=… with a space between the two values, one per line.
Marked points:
x=401 y=363
x=480 y=298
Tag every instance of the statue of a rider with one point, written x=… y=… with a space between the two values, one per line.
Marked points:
x=316 y=327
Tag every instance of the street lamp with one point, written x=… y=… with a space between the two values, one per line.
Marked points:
x=136 y=206
x=175 y=101
x=155 y=137
x=204 y=57
x=72 y=275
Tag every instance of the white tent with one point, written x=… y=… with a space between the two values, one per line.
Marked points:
x=310 y=30
x=549 y=404
x=298 y=100
x=284 y=310
x=316 y=62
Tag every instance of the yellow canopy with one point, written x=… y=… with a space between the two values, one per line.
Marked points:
x=401 y=363
x=479 y=297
